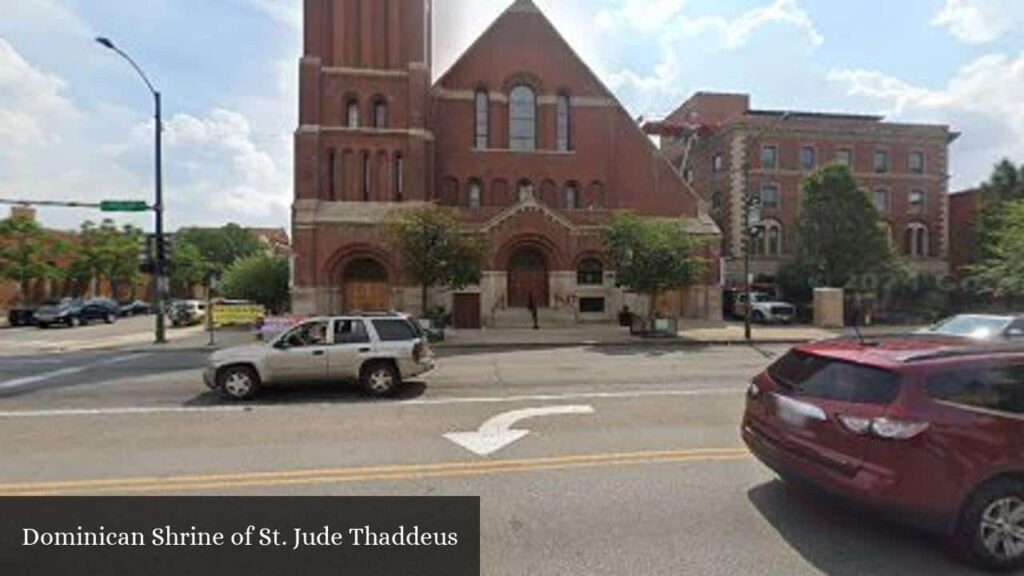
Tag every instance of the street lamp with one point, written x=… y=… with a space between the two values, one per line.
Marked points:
x=750 y=229
x=158 y=206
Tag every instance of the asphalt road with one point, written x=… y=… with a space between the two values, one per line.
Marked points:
x=650 y=479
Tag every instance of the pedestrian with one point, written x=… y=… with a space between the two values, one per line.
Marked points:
x=533 y=312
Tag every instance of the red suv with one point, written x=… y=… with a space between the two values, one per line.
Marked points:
x=930 y=429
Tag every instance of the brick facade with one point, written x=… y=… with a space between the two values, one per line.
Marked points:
x=460 y=142
x=734 y=133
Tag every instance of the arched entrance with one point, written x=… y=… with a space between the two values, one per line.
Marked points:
x=527 y=279
x=365 y=286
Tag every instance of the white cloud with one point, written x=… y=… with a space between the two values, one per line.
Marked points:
x=980 y=21
x=286 y=11
x=738 y=31
x=982 y=100
x=32 y=103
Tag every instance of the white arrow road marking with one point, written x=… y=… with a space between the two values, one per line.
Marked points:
x=497 y=432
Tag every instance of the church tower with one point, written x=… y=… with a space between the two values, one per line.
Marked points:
x=363 y=107
x=363 y=146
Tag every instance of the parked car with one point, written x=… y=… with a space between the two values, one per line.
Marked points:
x=187 y=312
x=765 y=309
x=926 y=428
x=980 y=327
x=136 y=308
x=21 y=317
x=378 y=351
x=75 y=312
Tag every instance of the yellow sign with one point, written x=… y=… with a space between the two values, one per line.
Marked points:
x=236 y=314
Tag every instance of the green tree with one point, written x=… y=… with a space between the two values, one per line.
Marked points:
x=221 y=247
x=260 y=278
x=106 y=252
x=434 y=250
x=651 y=256
x=1001 y=274
x=1006 y=184
x=27 y=252
x=187 y=267
x=840 y=234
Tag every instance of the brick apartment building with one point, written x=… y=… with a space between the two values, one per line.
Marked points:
x=904 y=167
x=519 y=134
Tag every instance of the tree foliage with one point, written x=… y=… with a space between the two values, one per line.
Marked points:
x=1001 y=273
x=652 y=255
x=261 y=278
x=187 y=267
x=1006 y=184
x=840 y=234
x=220 y=247
x=27 y=253
x=433 y=248
x=107 y=252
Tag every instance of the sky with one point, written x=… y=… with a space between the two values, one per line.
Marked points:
x=76 y=123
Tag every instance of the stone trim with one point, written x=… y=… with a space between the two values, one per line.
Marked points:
x=529 y=204
x=370 y=72
x=542 y=100
x=365 y=131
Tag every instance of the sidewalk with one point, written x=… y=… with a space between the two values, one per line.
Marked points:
x=693 y=333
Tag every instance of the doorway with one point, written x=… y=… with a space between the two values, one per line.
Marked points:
x=527 y=279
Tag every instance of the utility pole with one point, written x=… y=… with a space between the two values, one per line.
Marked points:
x=158 y=205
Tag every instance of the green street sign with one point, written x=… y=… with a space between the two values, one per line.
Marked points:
x=123 y=206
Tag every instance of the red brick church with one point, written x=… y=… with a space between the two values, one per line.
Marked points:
x=519 y=134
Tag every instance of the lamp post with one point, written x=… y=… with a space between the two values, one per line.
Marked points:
x=750 y=203
x=158 y=205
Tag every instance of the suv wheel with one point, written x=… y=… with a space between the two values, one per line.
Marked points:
x=991 y=530
x=74 y=322
x=757 y=316
x=238 y=382
x=110 y=318
x=381 y=379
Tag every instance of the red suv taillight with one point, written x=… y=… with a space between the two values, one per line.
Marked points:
x=885 y=428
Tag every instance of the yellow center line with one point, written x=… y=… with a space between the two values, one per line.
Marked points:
x=364 y=474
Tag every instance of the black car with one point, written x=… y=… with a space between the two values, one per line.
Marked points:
x=136 y=308
x=77 y=312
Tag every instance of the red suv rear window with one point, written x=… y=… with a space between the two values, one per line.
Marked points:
x=814 y=376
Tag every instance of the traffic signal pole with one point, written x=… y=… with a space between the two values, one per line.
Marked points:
x=158 y=211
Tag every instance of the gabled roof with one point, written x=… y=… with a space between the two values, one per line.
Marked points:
x=526 y=7
x=529 y=204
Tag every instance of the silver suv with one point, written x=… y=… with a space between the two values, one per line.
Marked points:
x=379 y=351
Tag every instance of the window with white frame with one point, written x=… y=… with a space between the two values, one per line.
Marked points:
x=916 y=240
x=564 y=124
x=882 y=200
x=523 y=119
x=844 y=156
x=881 y=161
x=770 y=196
x=572 y=196
x=808 y=158
x=915 y=202
x=717 y=164
x=476 y=194
x=916 y=162
x=769 y=157
x=352 y=113
x=482 y=119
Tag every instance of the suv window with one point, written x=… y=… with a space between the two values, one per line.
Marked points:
x=994 y=388
x=350 y=332
x=827 y=379
x=308 y=334
x=395 y=330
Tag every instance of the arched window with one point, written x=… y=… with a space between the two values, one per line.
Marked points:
x=916 y=240
x=482 y=105
x=590 y=273
x=476 y=195
x=380 y=112
x=572 y=196
x=525 y=190
x=352 y=113
x=522 y=110
x=564 y=124
x=770 y=241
